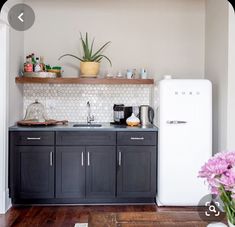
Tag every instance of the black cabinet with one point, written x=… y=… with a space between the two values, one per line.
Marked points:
x=86 y=164
x=70 y=172
x=101 y=171
x=137 y=164
x=82 y=166
x=85 y=138
x=136 y=176
x=34 y=172
x=85 y=171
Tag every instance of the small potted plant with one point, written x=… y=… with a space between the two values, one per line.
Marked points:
x=219 y=173
x=90 y=61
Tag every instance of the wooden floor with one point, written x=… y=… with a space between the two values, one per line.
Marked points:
x=67 y=216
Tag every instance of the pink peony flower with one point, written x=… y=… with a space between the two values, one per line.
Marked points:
x=220 y=171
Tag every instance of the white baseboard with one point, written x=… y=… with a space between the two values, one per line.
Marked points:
x=5 y=201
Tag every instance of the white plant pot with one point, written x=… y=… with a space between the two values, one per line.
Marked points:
x=230 y=224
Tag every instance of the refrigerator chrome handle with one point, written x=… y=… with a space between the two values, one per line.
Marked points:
x=176 y=122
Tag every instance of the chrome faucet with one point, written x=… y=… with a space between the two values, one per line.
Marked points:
x=90 y=117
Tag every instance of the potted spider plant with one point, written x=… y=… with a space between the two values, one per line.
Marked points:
x=90 y=61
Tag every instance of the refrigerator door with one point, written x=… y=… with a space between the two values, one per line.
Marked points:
x=185 y=140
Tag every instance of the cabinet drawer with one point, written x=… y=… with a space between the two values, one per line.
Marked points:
x=137 y=138
x=33 y=138
x=85 y=138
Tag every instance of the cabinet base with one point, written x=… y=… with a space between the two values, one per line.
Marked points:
x=83 y=201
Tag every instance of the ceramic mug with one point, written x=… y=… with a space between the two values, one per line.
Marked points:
x=129 y=74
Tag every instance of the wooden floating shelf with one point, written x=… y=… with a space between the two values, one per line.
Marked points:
x=69 y=80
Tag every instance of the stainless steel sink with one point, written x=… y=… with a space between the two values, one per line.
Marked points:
x=87 y=125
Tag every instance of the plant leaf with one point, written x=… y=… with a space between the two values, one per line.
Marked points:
x=71 y=55
x=98 y=51
x=85 y=56
x=99 y=57
x=92 y=47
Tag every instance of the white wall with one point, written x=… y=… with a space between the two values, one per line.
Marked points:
x=11 y=102
x=231 y=81
x=165 y=36
x=216 y=68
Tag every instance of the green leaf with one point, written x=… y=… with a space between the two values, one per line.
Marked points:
x=85 y=49
x=92 y=47
x=71 y=55
x=98 y=51
x=99 y=58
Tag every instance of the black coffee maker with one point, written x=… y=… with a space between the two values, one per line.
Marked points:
x=121 y=113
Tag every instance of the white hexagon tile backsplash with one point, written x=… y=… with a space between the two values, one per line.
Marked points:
x=68 y=101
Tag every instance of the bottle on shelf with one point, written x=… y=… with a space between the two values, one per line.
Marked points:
x=33 y=58
x=37 y=66
x=42 y=63
x=28 y=66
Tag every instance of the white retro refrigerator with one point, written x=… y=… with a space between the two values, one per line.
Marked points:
x=185 y=140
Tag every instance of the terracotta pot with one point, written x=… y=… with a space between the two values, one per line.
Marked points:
x=89 y=69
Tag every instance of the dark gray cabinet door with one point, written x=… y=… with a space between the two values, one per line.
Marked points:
x=35 y=172
x=136 y=176
x=101 y=171
x=70 y=172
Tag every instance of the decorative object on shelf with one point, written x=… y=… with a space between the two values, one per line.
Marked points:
x=119 y=75
x=219 y=173
x=90 y=61
x=129 y=74
x=133 y=120
x=143 y=73
x=35 y=67
x=40 y=74
x=36 y=116
x=55 y=69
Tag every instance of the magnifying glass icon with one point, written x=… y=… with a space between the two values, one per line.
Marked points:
x=212 y=208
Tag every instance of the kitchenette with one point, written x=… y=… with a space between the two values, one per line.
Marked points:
x=108 y=104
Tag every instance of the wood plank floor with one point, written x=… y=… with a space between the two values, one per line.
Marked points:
x=67 y=216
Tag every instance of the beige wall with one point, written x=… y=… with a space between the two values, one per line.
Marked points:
x=16 y=58
x=15 y=90
x=11 y=96
x=231 y=81
x=216 y=67
x=165 y=36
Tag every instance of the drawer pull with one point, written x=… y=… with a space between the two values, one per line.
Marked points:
x=88 y=158
x=82 y=159
x=51 y=158
x=33 y=138
x=137 y=138
x=119 y=158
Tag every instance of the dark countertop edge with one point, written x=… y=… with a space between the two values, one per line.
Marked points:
x=106 y=127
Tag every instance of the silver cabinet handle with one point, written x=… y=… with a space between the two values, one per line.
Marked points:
x=88 y=158
x=33 y=138
x=51 y=158
x=176 y=122
x=82 y=161
x=137 y=138
x=119 y=158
